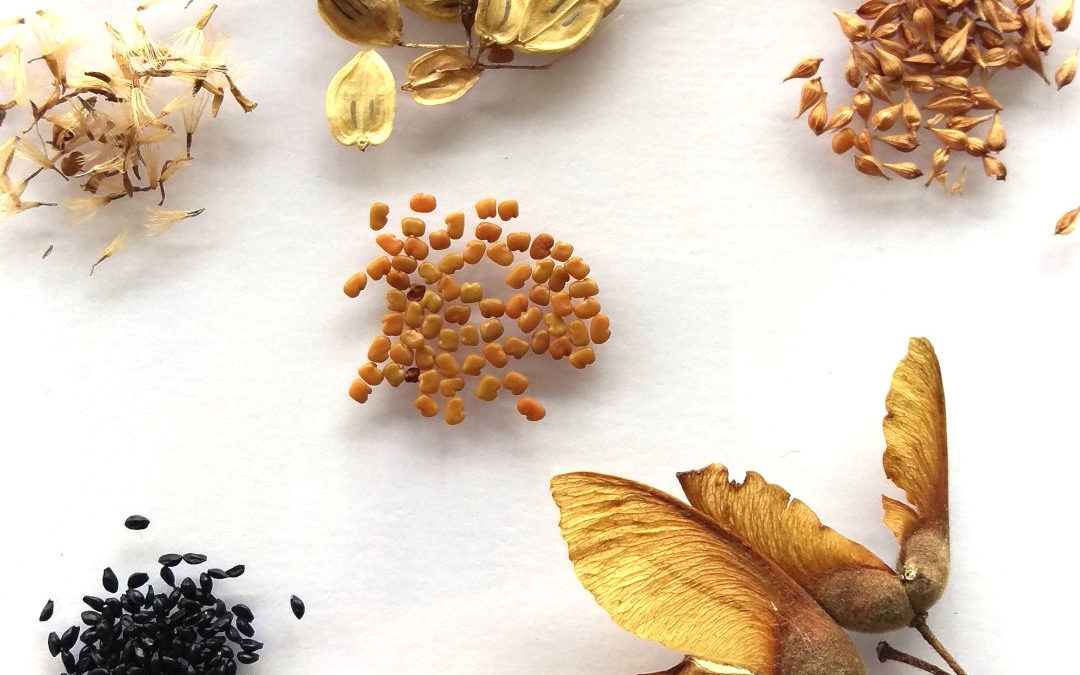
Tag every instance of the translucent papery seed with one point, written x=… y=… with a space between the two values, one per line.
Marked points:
x=442 y=76
x=361 y=100
x=551 y=26
x=366 y=22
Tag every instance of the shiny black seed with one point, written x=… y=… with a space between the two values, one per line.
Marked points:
x=170 y=559
x=54 y=644
x=109 y=580
x=138 y=579
x=243 y=612
x=247 y=658
x=251 y=645
x=167 y=576
x=94 y=603
x=46 y=612
x=297 y=607
x=137 y=522
x=245 y=628
x=90 y=618
x=206 y=583
x=194 y=558
x=234 y=572
x=216 y=573
x=187 y=588
x=69 y=638
x=69 y=661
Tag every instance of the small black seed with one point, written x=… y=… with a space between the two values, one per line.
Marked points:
x=54 y=644
x=194 y=558
x=167 y=576
x=69 y=638
x=90 y=618
x=69 y=661
x=46 y=611
x=245 y=628
x=138 y=579
x=251 y=645
x=216 y=573
x=109 y=580
x=297 y=607
x=234 y=572
x=244 y=612
x=170 y=559
x=94 y=603
x=247 y=658
x=137 y=522
x=206 y=583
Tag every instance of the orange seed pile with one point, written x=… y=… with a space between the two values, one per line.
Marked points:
x=921 y=70
x=442 y=331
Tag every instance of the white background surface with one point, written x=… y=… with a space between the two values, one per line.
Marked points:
x=761 y=293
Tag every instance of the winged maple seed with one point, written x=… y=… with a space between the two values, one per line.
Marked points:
x=746 y=577
x=117 y=128
x=933 y=58
x=359 y=101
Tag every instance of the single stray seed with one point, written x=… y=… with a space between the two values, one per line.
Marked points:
x=137 y=522
x=46 y=613
x=806 y=68
x=297 y=605
x=109 y=580
x=1067 y=223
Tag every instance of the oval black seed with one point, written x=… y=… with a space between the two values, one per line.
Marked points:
x=69 y=638
x=206 y=583
x=297 y=607
x=245 y=628
x=251 y=645
x=69 y=661
x=242 y=611
x=194 y=558
x=137 y=522
x=54 y=644
x=247 y=658
x=216 y=573
x=90 y=618
x=170 y=559
x=138 y=579
x=46 y=612
x=109 y=580
x=168 y=576
x=234 y=572
x=94 y=603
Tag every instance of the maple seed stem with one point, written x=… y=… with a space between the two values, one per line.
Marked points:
x=919 y=624
x=886 y=652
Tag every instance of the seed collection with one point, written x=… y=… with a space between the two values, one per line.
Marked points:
x=361 y=100
x=117 y=128
x=427 y=336
x=184 y=628
x=921 y=71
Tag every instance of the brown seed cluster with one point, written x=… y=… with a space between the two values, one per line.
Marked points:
x=442 y=332
x=921 y=70
x=117 y=128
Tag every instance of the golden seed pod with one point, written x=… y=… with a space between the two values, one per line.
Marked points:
x=870 y=166
x=552 y=26
x=441 y=76
x=995 y=138
x=853 y=27
x=906 y=170
x=1062 y=15
x=863 y=104
x=1066 y=71
x=910 y=112
x=365 y=22
x=901 y=142
x=442 y=10
x=840 y=118
x=884 y=119
x=954 y=47
x=812 y=91
x=818 y=117
x=361 y=100
x=951 y=138
x=843 y=140
x=993 y=167
x=499 y=21
x=1067 y=223
x=806 y=68
x=864 y=142
x=1043 y=39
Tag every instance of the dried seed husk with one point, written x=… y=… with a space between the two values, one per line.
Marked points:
x=906 y=170
x=863 y=104
x=924 y=21
x=442 y=76
x=843 y=140
x=951 y=138
x=553 y=26
x=609 y=5
x=965 y=123
x=852 y=74
x=841 y=117
x=993 y=167
x=1062 y=15
x=806 y=68
x=891 y=66
x=1067 y=223
x=910 y=112
x=984 y=100
x=812 y=91
x=818 y=117
x=1066 y=72
x=361 y=100
x=995 y=137
x=870 y=166
x=871 y=9
x=499 y=21
x=854 y=28
x=366 y=22
x=1041 y=33
x=901 y=142
x=954 y=47
x=884 y=119
x=864 y=142
x=442 y=10
x=950 y=104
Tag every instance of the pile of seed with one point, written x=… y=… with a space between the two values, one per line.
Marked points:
x=430 y=336
x=921 y=71
x=179 y=628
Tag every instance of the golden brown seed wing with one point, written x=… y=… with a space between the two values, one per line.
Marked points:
x=670 y=574
x=443 y=10
x=499 y=21
x=916 y=452
x=361 y=101
x=784 y=530
x=551 y=26
x=366 y=22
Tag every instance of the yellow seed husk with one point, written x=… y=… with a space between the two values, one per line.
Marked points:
x=818 y=117
x=840 y=118
x=870 y=166
x=966 y=124
x=361 y=100
x=993 y=167
x=1041 y=33
x=852 y=73
x=553 y=26
x=812 y=91
x=910 y=112
x=884 y=119
x=441 y=76
x=1066 y=71
x=906 y=170
x=863 y=104
x=1067 y=223
x=901 y=142
x=951 y=138
x=995 y=137
x=924 y=21
x=1062 y=15
x=806 y=68
x=864 y=142
x=499 y=21
x=891 y=66
x=367 y=22
x=954 y=47
x=853 y=27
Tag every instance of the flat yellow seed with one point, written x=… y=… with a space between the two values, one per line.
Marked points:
x=578 y=332
x=508 y=209
x=413 y=227
x=378 y=216
x=495 y=355
x=518 y=241
x=489 y=232
x=429 y=273
x=492 y=307
x=587 y=308
x=425 y=358
x=449 y=289
x=393 y=323
x=531 y=409
x=473 y=364
x=361 y=101
x=428 y=382
x=500 y=255
x=530 y=319
x=540 y=295
x=561 y=304
x=559 y=277
x=369 y=372
x=491 y=330
x=451 y=263
x=394 y=374
x=358 y=282
x=378 y=267
x=474 y=252
x=422 y=203
x=432 y=326
x=451 y=386
x=472 y=292
x=516 y=305
x=516 y=277
x=431 y=301
x=396 y=301
x=470 y=337
x=414 y=315
x=582 y=357
x=426 y=405
x=448 y=340
x=402 y=354
x=455 y=224
x=555 y=325
x=379 y=349
x=416 y=248
x=540 y=342
x=515 y=382
x=404 y=263
x=583 y=289
x=577 y=268
x=458 y=314
x=447 y=365
x=562 y=251
x=599 y=329
x=486 y=208
x=359 y=391
x=516 y=347
x=487 y=388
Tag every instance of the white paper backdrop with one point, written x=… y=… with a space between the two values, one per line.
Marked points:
x=760 y=291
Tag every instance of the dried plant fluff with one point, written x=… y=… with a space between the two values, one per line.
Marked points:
x=116 y=128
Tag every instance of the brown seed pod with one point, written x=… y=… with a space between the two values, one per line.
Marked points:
x=367 y=22
x=441 y=76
